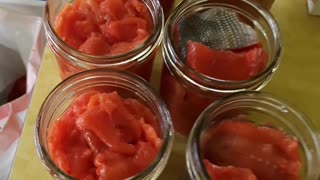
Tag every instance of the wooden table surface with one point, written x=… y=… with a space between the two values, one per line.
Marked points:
x=297 y=80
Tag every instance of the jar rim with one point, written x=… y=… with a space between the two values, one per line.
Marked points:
x=178 y=68
x=193 y=144
x=84 y=60
x=158 y=163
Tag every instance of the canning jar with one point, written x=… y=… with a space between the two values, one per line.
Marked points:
x=191 y=28
x=128 y=86
x=272 y=116
x=135 y=55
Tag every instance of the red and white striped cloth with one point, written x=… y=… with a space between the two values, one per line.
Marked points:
x=25 y=35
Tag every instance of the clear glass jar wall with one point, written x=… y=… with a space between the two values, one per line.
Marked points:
x=186 y=91
x=126 y=85
x=267 y=112
x=70 y=60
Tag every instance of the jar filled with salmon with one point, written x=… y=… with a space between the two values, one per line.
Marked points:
x=251 y=136
x=118 y=34
x=103 y=124
x=212 y=48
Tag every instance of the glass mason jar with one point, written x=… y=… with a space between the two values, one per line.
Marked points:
x=187 y=92
x=264 y=110
x=70 y=60
x=106 y=80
